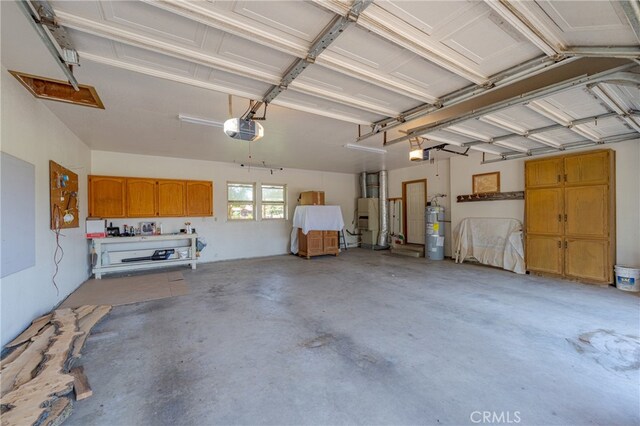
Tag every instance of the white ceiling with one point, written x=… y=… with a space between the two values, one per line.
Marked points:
x=151 y=61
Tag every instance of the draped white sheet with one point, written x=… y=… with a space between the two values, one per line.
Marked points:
x=315 y=218
x=491 y=241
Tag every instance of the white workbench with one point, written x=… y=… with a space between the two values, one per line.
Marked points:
x=143 y=245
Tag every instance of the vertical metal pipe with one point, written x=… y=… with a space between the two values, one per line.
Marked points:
x=363 y=185
x=383 y=236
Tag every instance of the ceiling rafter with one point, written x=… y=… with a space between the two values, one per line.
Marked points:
x=383 y=23
x=141 y=41
x=227 y=22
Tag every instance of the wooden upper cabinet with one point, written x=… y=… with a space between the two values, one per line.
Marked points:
x=587 y=213
x=107 y=196
x=199 y=198
x=141 y=197
x=172 y=196
x=547 y=172
x=544 y=211
x=593 y=168
x=113 y=197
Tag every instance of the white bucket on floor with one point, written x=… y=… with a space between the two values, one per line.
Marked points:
x=627 y=279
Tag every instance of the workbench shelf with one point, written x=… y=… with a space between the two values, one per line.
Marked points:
x=144 y=243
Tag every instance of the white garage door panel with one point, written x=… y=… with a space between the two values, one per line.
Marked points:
x=134 y=55
x=492 y=149
x=84 y=42
x=472 y=127
x=523 y=117
x=298 y=19
x=136 y=15
x=332 y=80
x=87 y=9
x=560 y=136
x=322 y=104
x=608 y=127
x=358 y=44
x=629 y=97
x=499 y=47
x=521 y=144
x=425 y=16
x=593 y=16
x=440 y=81
x=446 y=137
x=580 y=23
x=574 y=104
x=250 y=53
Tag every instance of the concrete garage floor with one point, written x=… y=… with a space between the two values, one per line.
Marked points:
x=366 y=338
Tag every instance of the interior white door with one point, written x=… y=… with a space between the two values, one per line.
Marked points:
x=416 y=202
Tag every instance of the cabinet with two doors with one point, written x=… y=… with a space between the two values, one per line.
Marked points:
x=125 y=197
x=317 y=243
x=570 y=215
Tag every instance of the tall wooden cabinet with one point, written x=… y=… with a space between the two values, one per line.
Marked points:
x=570 y=215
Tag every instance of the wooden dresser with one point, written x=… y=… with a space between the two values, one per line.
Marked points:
x=317 y=243
x=570 y=215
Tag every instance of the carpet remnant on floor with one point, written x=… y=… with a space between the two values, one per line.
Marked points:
x=128 y=290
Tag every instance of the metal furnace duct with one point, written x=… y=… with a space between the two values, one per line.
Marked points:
x=363 y=185
x=383 y=236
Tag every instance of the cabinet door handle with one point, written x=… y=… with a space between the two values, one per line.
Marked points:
x=559 y=217
x=565 y=177
x=559 y=178
x=559 y=244
x=565 y=244
x=565 y=217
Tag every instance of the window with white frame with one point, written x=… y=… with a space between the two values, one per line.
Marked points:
x=241 y=201
x=274 y=201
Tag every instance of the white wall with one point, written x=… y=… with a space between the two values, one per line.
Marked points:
x=512 y=179
x=437 y=176
x=231 y=239
x=33 y=134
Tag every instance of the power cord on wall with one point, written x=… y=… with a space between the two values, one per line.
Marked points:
x=58 y=254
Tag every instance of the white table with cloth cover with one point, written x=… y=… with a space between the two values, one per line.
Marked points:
x=315 y=218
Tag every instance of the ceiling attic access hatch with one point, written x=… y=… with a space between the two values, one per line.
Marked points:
x=57 y=90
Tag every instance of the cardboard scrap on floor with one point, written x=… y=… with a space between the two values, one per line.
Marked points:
x=37 y=382
x=127 y=290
